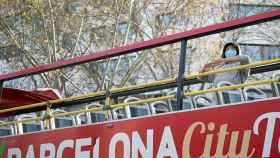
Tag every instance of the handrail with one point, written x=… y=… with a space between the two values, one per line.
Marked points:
x=247 y=66
x=143 y=101
x=169 y=39
x=117 y=90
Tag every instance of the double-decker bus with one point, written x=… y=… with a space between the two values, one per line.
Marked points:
x=152 y=120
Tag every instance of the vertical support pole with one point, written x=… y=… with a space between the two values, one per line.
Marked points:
x=275 y=90
x=107 y=107
x=181 y=75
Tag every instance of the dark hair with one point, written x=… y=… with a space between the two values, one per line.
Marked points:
x=234 y=45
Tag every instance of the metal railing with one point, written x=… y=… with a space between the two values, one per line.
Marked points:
x=167 y=83
x=140 y=102
x=123 y=89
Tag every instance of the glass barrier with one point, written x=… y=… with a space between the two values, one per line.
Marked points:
x=230 y=96
x=134 y=111
x=138 y=111
x=60 y=122
x=276 y=84
x=31 y=127
x=97 y=117
x=63 y=122
x=203 y=101
x=81 y=119
x=187 y=103
x=120 y=113
x=252 y=93
x=160 y=107
x=5 y=131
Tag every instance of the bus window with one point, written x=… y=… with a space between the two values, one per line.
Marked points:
x=97 y=117
x=230 y=96
x=203 y=101
x=81 y=119
x=120 y=113
x=277 y=84
x=31 y=127
x=160 y=107
x=187 y=103
x=5 y=131
x=64 y=121
x=172 y=102
x=136 y=110
x=252 y=93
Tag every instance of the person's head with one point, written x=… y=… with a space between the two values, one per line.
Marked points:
x=230 y=50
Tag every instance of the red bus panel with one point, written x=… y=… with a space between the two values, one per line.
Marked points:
x=244 y=130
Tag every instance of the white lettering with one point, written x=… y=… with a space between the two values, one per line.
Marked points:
x=122 y=137
x=47 y=148
x=137 y=145
x=96 y=148
x=269 y=130
x=78 y=149
x=30 y=152
x=167 y=146
x=14 y=153
x=64 y=144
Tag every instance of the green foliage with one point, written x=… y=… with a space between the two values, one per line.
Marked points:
x=3 y=146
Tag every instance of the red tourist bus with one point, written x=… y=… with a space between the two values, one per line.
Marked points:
x=243 y=122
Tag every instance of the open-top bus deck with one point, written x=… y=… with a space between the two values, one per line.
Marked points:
x=243 y=120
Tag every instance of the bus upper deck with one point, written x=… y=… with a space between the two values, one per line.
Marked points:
x=144 y=99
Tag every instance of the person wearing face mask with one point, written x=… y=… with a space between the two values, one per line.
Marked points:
x=231 y=57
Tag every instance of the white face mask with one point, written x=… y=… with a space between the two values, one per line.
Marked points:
x=230 y=53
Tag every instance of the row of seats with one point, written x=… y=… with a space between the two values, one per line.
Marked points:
x=198 y=101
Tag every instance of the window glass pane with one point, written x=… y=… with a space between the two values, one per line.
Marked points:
x=5 y=132
x=97 y=117
x=253 y=94
x=63 y=122
x=278 y=87
x=231 y=97
x=161 y=108
x=138 y=111
x=121 y=113
x=187 y=104
x=173 y=103
x=82 y=119
x=203 y=102
x=83 y=122
x=31 y=127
